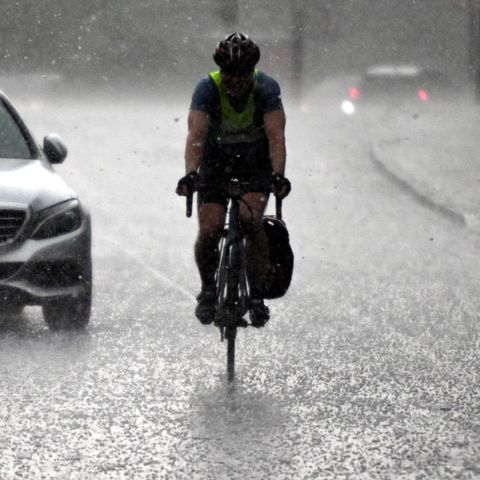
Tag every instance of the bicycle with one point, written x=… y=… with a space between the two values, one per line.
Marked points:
x=232 y=297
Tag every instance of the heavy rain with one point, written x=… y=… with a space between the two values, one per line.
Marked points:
x=369 y=365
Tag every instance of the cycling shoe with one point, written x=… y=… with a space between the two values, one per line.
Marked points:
x=259 y=313
x=205 y=309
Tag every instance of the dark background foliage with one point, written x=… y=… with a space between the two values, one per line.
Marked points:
x=171 y=41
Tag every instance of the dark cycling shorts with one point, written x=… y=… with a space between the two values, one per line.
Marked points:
x=245 y=163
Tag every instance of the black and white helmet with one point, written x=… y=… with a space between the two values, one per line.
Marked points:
x=236 y=54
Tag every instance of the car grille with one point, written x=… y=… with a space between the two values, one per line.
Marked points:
x=12 y=295
x=8 y=269
x=11 y=222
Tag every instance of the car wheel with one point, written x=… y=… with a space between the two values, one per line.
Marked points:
x=68 y=313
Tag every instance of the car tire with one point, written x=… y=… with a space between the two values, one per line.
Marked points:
x=68 y=313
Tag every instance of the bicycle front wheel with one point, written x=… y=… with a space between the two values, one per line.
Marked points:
x=230 y=335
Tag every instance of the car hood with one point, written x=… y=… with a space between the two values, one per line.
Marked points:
x=31 y=182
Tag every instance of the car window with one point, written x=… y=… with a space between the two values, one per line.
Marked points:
x=12 y=141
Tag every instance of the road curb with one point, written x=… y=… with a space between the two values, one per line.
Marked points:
x=413 y=188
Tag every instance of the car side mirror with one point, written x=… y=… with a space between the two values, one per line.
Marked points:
x=54 y=148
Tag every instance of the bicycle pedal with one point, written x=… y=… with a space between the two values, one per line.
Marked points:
x=225 y=321
x=219 y=321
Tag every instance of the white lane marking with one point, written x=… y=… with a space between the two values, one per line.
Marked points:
x=157 y=274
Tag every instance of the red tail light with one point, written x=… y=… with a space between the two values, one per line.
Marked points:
x=423 y=95
x=354 y=93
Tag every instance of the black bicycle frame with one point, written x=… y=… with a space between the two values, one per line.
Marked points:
x=232 y=288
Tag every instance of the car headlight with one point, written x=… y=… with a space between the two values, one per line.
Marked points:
x=348 y=107
x=57 y=220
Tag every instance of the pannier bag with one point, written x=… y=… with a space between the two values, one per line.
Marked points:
x=281 y=258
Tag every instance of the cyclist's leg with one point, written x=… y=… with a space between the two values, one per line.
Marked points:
x=211 y=220
x=211 y=217
x=255 y=168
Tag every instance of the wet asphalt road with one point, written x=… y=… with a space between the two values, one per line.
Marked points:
x=368 y=368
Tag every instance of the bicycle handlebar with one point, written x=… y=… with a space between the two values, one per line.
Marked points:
x=189 y=202
x=278 y=207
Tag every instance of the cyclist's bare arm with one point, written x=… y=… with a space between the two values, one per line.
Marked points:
x=274 y=123
x=198 y=123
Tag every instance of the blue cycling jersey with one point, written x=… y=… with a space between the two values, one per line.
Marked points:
x=248 y=160
x=267 y=98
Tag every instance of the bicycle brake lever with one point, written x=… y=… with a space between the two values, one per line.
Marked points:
x=278 y=207
x=189 y=206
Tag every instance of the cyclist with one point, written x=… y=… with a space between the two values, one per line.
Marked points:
x=236 y=129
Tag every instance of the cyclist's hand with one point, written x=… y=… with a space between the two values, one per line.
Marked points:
x=186 y=184
x=280 y=185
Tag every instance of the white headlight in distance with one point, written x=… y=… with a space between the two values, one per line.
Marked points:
x=348 y=107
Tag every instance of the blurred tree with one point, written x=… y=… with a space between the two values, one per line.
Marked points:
x=173 y=39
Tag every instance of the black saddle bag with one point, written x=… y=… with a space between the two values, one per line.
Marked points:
x=281 y=258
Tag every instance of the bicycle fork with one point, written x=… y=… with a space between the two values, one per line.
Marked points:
x=232 y=293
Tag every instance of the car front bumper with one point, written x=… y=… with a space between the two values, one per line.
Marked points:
x=34 y=272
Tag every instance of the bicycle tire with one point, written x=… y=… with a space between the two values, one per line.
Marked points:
x=230 y=335
x=231 y=297
x=232 y=293
x=233 y=279
x=221 y=276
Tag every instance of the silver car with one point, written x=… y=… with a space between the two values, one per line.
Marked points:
x=395 y=86
x=45 y=230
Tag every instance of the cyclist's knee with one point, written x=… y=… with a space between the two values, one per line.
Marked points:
x=209 y=233
x=211 y=220
x=252 y=207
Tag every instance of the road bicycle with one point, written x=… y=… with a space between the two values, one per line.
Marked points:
x=232 y=294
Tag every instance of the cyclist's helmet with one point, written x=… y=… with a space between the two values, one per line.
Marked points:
x=236 y=54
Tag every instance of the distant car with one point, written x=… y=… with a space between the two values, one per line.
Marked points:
x=45 y=230
x=393 y=85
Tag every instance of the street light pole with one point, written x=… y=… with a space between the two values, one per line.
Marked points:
x=228 y=12
x=474 y=44
x=297 y=42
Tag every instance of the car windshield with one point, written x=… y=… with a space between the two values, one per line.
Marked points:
x=13 y=143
